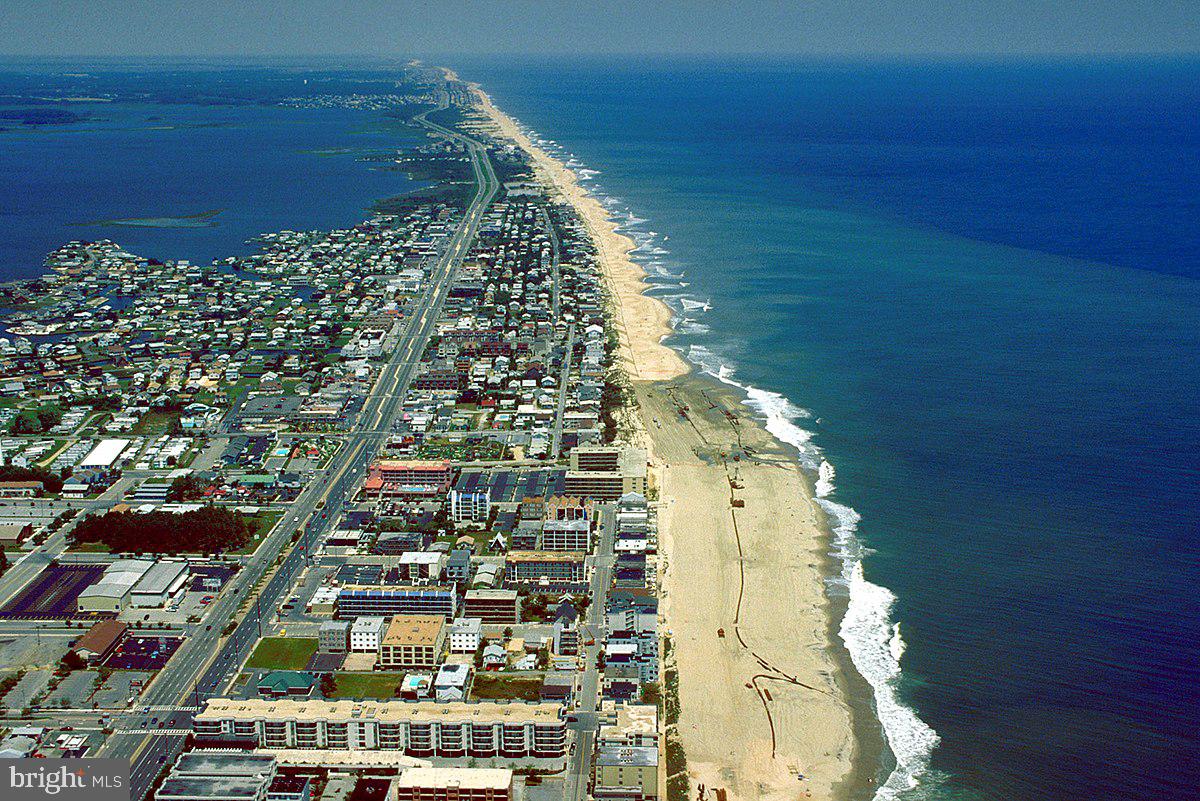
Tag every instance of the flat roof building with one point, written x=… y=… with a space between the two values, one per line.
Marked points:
x=413 y=641
x=453 y=784
x=628 y=774
x=493 y=606
x=552 y=567
x=104 y=455
x=356 y=600
x=205 y=776
x=366 y=634
x=418 y=729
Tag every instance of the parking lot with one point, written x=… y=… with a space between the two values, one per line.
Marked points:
x=74 y=691
x=119 y=688
x=143 y=653
x=53 y=593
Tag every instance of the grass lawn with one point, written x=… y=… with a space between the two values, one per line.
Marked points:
x=282 y=653
x=367 y=685
x=263 y=523
x=89 y=547
x=494 y=686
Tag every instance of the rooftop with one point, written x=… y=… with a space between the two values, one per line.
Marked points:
x=383 y=711
x=462 y=778
x=414 y=630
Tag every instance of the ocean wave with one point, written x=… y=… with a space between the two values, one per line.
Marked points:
x=867 y=629
x=825 y=477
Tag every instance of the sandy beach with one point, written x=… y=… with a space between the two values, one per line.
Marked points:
x=763 y=711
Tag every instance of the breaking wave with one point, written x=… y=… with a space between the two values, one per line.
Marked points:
x=867 y=629
x=871 y=635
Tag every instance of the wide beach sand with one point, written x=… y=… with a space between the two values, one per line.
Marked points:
x=743 y=592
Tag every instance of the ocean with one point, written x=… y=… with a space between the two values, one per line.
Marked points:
x=183 y=151
x=969 y=293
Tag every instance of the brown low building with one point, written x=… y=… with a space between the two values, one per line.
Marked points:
x=100 y=641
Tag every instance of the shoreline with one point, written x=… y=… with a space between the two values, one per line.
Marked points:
x=761 y=631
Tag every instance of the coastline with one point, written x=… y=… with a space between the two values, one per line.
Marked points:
x=767 y=692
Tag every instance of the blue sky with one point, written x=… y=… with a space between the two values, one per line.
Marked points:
x=390 y=28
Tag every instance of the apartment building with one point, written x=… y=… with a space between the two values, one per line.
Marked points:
x=493 y=606
x=356 y=600
x=413 y=641
x=418 y=729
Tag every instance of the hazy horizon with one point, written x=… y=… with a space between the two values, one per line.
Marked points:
x=400 y=28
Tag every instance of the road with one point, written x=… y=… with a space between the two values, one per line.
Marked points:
x=555 y=264
x=563 y=380
x=34 y=561
x=579 y=765
x=205 y=666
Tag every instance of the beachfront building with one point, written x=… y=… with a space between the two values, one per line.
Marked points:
x=366 y=633
x=628 y=726
x=606 y=472
x=465 y=635
x=626 y=774
x=418 y=729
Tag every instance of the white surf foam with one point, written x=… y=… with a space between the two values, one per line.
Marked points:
x=825 y=477
x=871 y=636
x=691 y=304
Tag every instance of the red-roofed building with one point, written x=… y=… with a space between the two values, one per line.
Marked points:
x=419 y=478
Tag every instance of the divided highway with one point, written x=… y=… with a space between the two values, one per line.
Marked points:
x=205 y=665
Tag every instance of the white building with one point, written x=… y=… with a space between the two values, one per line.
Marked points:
x=104 y=455
x=160 y=584
x=111 y=592
x=451 y=682
x=367 y=633
x=465 y=635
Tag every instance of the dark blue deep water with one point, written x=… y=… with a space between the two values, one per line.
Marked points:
x=978 y=286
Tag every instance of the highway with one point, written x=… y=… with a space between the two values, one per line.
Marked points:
x=205 y=665
x=579 y=764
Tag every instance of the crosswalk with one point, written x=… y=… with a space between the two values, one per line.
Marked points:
x=165 y=732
